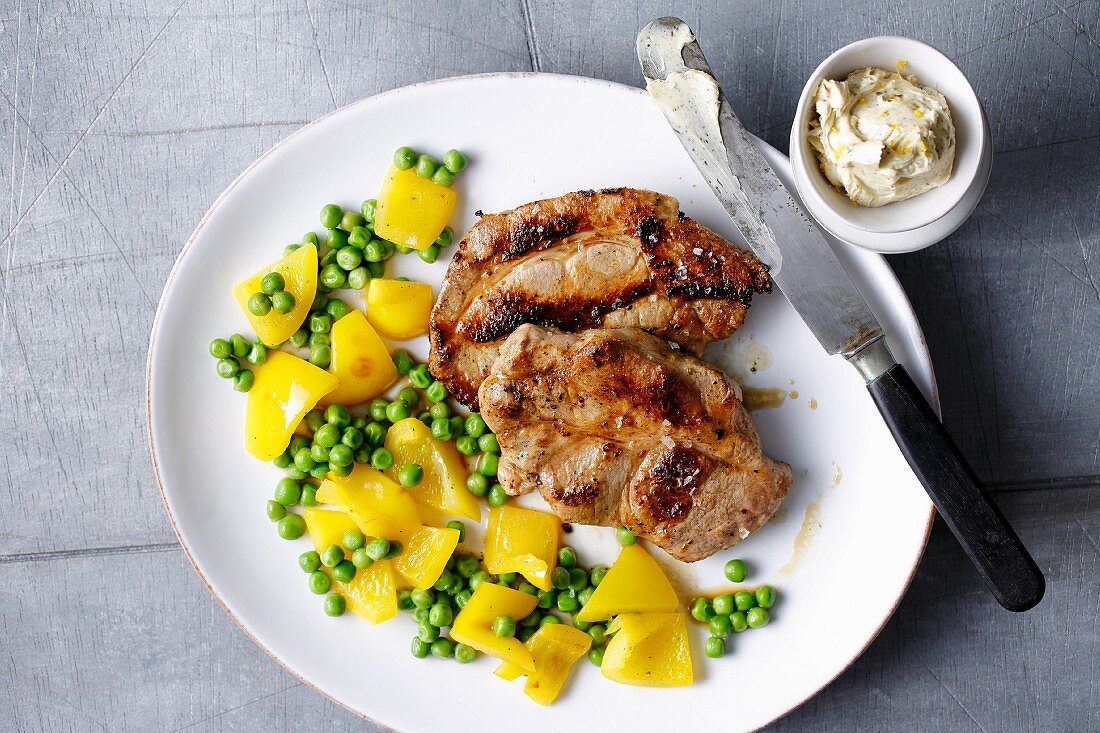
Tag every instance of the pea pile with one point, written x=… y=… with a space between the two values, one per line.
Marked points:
x=434 y=609
x=732 y=613
x=428 y=167
x=231 y=352
x=354 y=553
x=272 y=295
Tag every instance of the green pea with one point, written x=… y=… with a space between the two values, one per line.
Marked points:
x=373 y=251
x=309 y=561
x=309 y=495
x=378 y=547
x=320 y=469
x=337 y=309
x=702 y=610
x=403 y=361
x=335 y=605
x=478 y=578
x=410 y=397
x=714 y=647
x=559 y=578
x=441 y=615
x=420 y=376
x=456 y=524
x=352 y=540
x=402 y=249
x=320 y=300
x=319 y=582
x=735 y=571
x=257 y=355
x=585 y=595
x=283 y=460
x=420 y=615
x=318 y=453
x=358 y=278
x=410 y=475
x=427 y=632
x=548 y=620
x=441 y=428
x=292 y=526
x=443 y=177
x=464 y=654
x=582 y=625
x=240 y=345
x=744 y=600
x=429 y=254
x=625 y=536
x=331 y=215
x=288 y=492
x=568 y=603
x=426 y=166
x=504 y=626
x=507 y=578
x=721 y=626
x=531 y=620
x=368 y=208
x=404 y=599
x=320 y=323
x=597 y=575
x=292 y=247
x=358 y=237
x=738 y=621
x=332 y=556
x=381 y=459
x=344 y=571
x=227 y=368
x=340 y=455
x=723 y=604
x=444 y=580
x=598 y=632
x=458 y=423
x=303 y=459
x=404 y=158
x=338 y=415
x=757 y=617
x=440 y=411
x=374 y=434
x=420 y=648
x=299 y=338
x=466 y=566
x=275 y=510
x=361 y=559
x=243 y=380
x=397 y=410
x=466 y=445
x=487 y=464
x=443 y=648
x=527 y=588
x=436 y=392
x=488 y=443
x=333 y=277
x=272 y=283
x=595 y=655
x=578 y=579
x=765 y=596
x=454 y=160
x=475 y=426
x=423 y=597
x=296 y=473
x=388 y=248
x=377 y=269
x=220 y=349
x=283 y=302
x=352 y=437
x=311 y=238
x=445 y=238
x=327 y=435
x=496 y=496
x=350 y=220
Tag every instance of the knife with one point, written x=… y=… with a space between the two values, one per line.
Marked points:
x=805 y=269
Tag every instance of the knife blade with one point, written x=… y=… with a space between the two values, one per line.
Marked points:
x=804 y=267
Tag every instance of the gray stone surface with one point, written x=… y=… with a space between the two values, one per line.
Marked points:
x=125 y=121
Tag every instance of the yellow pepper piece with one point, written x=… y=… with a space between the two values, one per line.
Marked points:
x=444 y=483
x=399 y=309
x=634 y=584
x=474 y=624
x=327 y=493
x=284 y=390
x=412 y=210
x=299 y=271
x=383 y=507
x=508 y=671
x=360 y=360
x=522 y=541
x=372 y=593
x=326 y=527
x=555 y=648
x=649 y=649
x=426 y=554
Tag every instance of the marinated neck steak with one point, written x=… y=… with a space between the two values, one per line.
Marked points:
x=615 y=427
x=612 y=258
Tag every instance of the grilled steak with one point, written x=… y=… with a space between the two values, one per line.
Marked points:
x=612 y=258
x=615 y=427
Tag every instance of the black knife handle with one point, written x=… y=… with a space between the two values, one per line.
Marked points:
x=1001 y=559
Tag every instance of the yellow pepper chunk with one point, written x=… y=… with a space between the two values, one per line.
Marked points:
x=327 y=493
x=412 y=210
x=360 y=360
x=399 y=309
x=299 y=271
x=383 y=508
x=284 y=390
x=443 y=486
x=555 y=649
x=372 y=593
x=426 y=554
x=634 y=584
x=474 y=624
x=649 y=649
x=326 y=527
x=522 y=541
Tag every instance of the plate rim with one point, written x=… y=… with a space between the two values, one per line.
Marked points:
x=888 y=280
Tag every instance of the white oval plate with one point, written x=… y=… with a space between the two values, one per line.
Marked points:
x=841 y=552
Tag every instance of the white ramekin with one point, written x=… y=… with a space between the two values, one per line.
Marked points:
x=916 y=223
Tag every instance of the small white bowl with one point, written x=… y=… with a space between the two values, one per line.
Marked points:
x=916 y=223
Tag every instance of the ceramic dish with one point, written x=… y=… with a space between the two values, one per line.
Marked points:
x=856 y=517
x=903 y=226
